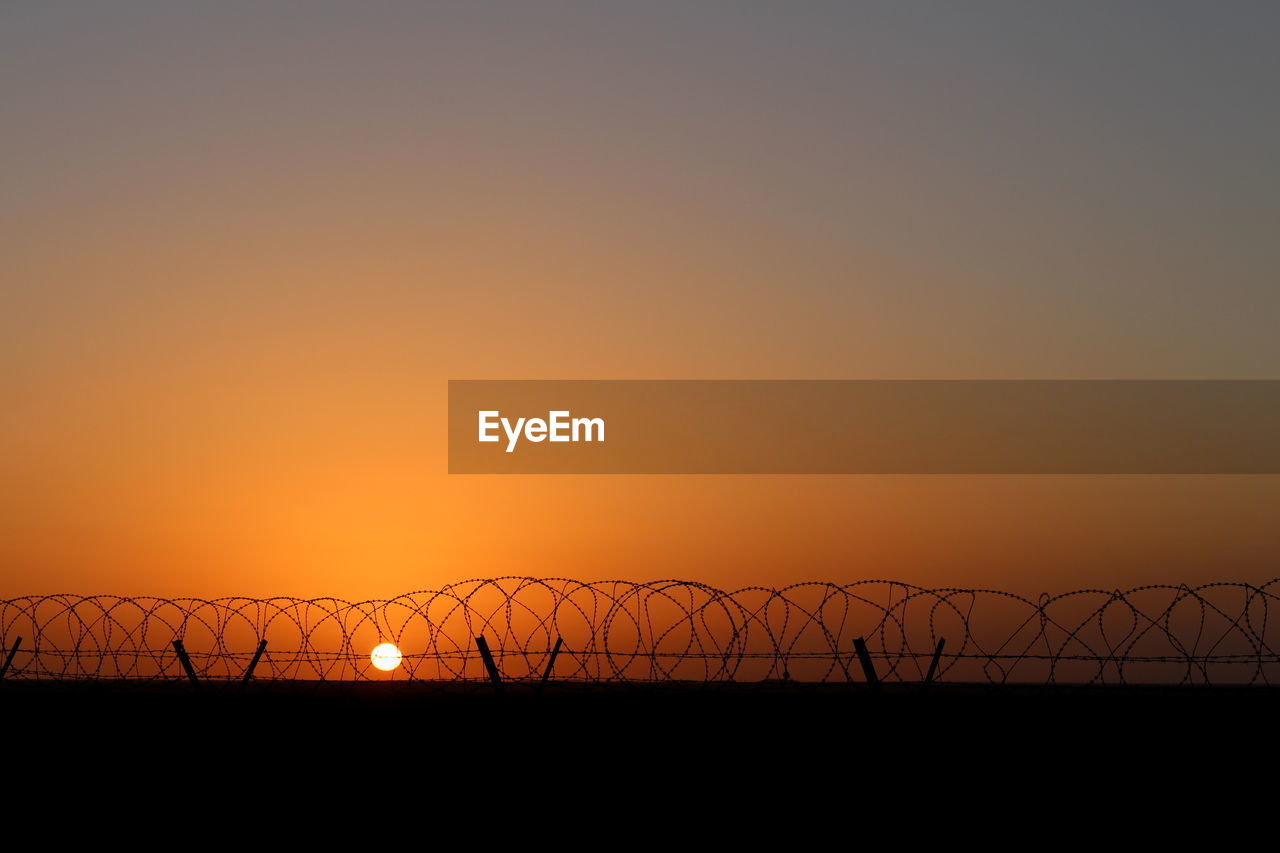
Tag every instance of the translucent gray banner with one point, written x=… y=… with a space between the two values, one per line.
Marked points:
x=864 y=427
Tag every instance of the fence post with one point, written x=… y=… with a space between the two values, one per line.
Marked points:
x=4 y=670
x=186 y=662
x=868 y=668
x=550 y=664
x=248 y=673
x=933 y=664
x=494 y=676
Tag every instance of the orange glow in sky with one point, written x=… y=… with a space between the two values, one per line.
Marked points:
x=245 y=249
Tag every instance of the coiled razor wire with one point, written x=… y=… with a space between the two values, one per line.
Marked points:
x=664 y=631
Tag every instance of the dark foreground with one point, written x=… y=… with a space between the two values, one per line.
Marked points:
x=666 y=743
x=473 y=717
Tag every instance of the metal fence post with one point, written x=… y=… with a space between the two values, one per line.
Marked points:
x=494 y=675
x=868 y=668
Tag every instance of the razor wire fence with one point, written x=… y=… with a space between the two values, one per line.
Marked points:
x=521 y=629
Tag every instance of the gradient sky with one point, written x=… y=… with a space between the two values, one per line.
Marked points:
x=245 y=245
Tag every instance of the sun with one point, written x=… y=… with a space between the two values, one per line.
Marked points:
x=386 y=657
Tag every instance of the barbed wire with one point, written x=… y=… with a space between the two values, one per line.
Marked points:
x=661 y=631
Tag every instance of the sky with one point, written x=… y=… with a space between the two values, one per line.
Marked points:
x=245 y=246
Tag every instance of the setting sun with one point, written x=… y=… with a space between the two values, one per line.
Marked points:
x=386 y=657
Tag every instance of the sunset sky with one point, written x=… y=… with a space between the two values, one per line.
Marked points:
x=245 y=245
